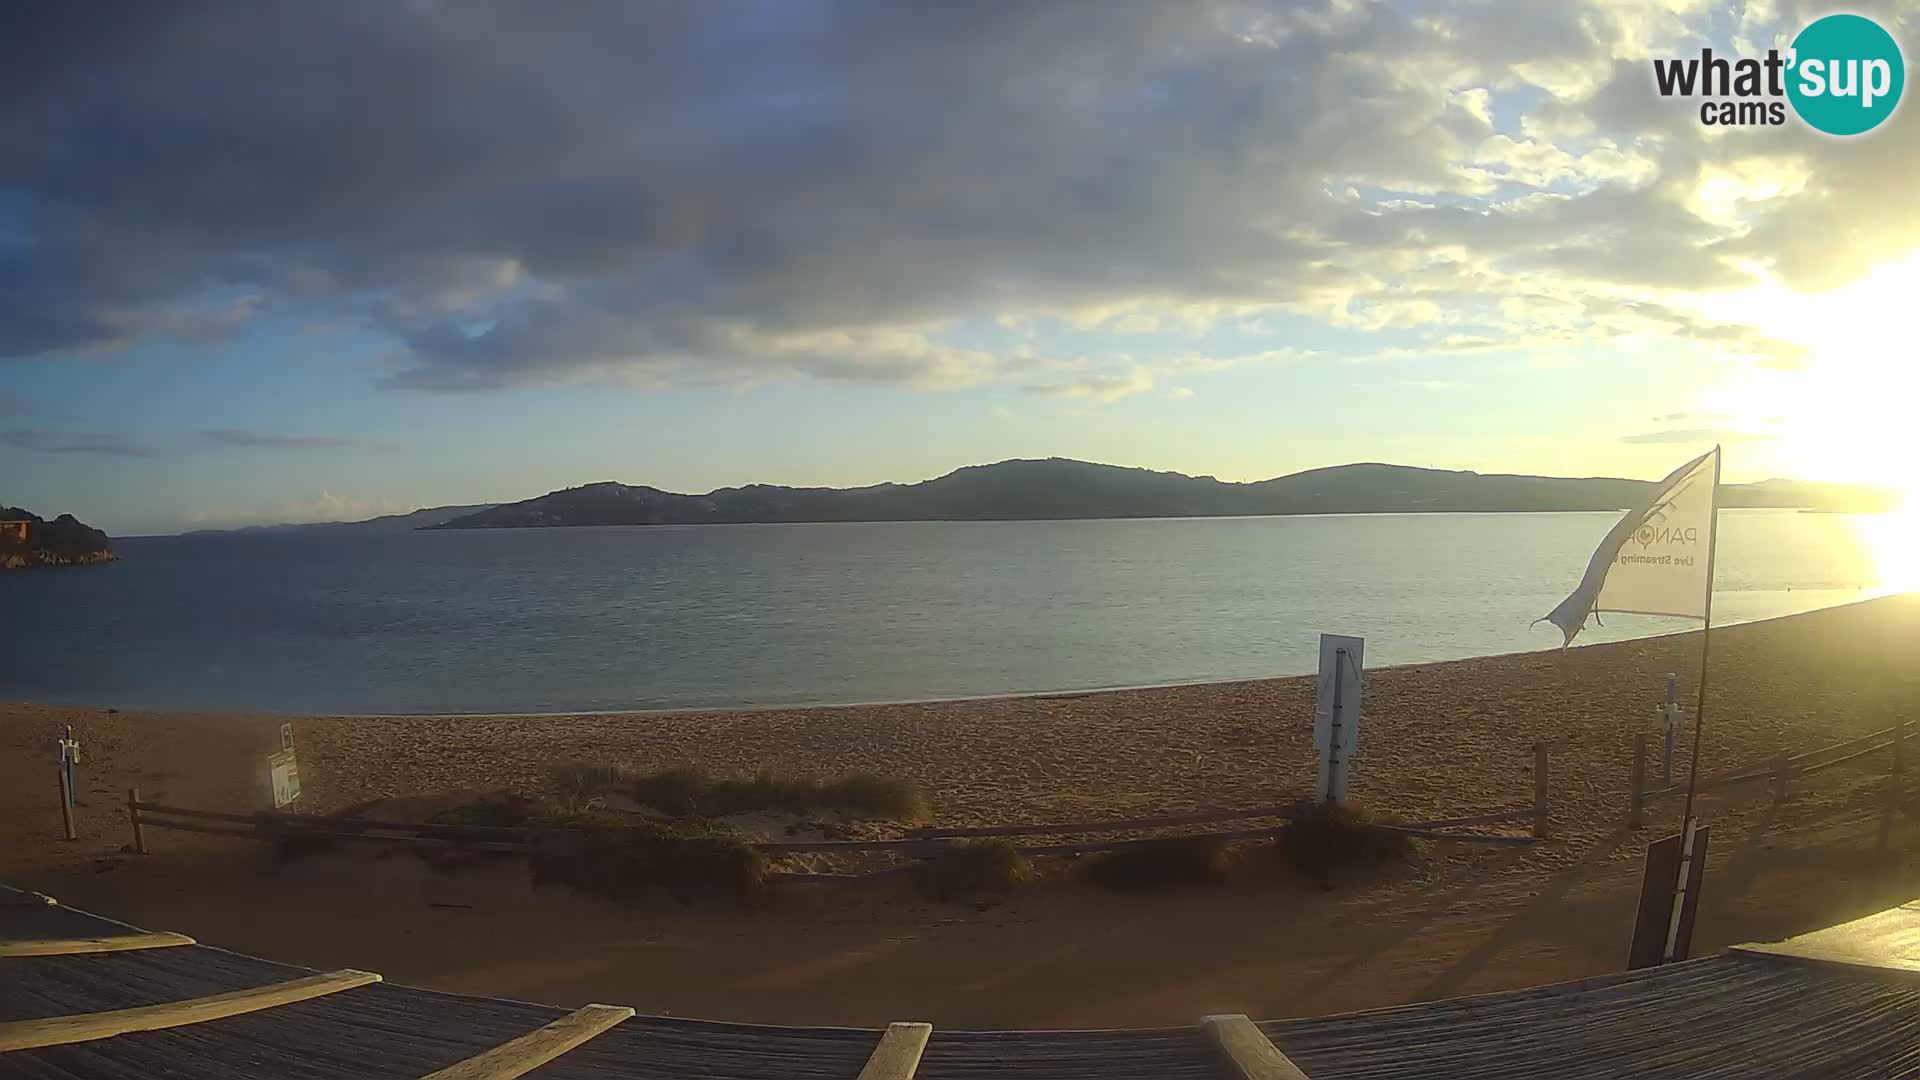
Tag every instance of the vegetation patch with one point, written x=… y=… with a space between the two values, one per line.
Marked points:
x=1160 y=864
x=987 y=866
x=696 y=793
x=584 y=779
x=615 y=855
x=505 y=812
x=1330 y=836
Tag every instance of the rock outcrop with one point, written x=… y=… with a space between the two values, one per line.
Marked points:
x=28 y=540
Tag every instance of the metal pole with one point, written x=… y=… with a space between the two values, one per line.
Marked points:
x=1699 y=724
x=1706 y=640
x=66 y=798
x=1666 y=764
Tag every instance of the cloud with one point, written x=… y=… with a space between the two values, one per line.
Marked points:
x=733 y=192
x=91 y=444
x=267 y=440
x=1099 y=386
x=12 y=404
x=1694 y=435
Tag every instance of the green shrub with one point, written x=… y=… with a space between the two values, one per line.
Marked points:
x=1332 y=835
x=620 y=857
x=508 y=812
x=583 y=779
x=695 y=793
x=987 y=866
x=876 y=796
x=1159 y=864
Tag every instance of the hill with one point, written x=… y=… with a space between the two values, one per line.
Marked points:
x=1058 y=488
x=418 y=519
x=29 y=540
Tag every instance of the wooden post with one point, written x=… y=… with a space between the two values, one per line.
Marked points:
x=1781 y=767
x=1637 y=803
x=133 y=814
x=66 y=802
x=1542 y=809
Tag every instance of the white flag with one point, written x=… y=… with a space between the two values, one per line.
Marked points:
x=1656 y=560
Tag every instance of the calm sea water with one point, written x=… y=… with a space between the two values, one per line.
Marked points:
x=613 y=618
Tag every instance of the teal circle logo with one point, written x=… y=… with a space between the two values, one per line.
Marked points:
x=1845 y=74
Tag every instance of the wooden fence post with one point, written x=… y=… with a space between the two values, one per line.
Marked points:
x=1542 y=809
x=1637 y=803
x=1782 y=767
x=133 y=814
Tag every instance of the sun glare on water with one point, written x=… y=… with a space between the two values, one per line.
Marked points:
x=1893 y=541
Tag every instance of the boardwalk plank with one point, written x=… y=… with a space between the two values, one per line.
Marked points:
x=897 y=1056
x=60 y=1030
x=110 y=943
x=536 y=1048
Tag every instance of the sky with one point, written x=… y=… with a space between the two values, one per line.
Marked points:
x=290 y=262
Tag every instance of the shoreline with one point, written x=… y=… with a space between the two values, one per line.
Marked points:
x=1066 y=693
x=1439 y=740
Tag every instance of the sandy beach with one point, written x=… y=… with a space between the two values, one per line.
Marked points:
x=1439 y=740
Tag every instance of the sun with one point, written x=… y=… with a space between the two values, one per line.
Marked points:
x=1849 y=409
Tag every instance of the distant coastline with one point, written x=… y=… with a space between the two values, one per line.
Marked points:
x=1064 y=489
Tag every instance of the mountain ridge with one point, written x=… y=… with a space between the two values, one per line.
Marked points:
x=1024 y=489
x=411 y=521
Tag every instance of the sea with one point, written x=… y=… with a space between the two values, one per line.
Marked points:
x=663 y=617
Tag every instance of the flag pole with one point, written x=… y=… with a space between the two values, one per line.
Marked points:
x=1706 y=640
x=1688 y=827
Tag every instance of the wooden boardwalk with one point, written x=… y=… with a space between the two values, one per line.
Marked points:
x=1842 y=1002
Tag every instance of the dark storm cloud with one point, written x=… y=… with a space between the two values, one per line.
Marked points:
x=516 y=192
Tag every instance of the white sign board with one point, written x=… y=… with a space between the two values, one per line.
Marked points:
x=285 y=772
x=1336 y=714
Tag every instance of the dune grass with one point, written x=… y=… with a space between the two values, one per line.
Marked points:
x=1331 y=836
x=696 y=793
x=987 y=866
x=1160 y=864
x=619 y=856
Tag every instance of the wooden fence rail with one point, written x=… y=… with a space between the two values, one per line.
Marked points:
x=920 y=843
x=1781 y=770
x=1210 y=817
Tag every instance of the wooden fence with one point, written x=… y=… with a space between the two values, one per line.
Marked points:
x=1781 y=770
x=1061 y=838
